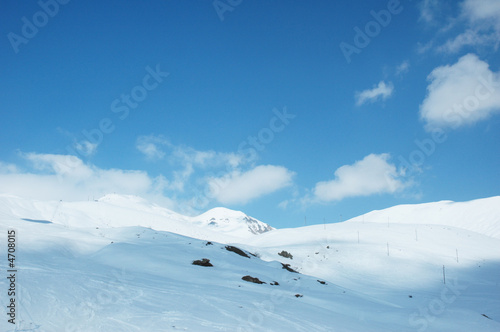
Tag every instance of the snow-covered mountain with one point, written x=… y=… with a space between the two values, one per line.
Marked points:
x=124 y=264
x=222 y=218
x=114 y=210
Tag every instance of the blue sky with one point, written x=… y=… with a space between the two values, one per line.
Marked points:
x=281 y=109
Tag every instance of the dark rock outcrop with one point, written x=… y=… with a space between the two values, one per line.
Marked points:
x=237 y=251
x=288 y=268
x=252 y=279
x=285 y=254
x=202 y=262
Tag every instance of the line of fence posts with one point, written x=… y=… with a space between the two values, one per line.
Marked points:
x=388 y=221
x=416 y=239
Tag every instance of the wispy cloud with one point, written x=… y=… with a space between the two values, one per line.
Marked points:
x=478 y=23
x=482 y=11
x=381 y=91
x=156 y=147
x=403 y=68
x=238 y=181
x=471 y=37
x=461 y=94
x=428 y=9
x=151 y=146
x=86 y=148
x=483 y=17
x=374 y=174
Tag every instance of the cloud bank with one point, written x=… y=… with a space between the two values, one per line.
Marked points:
x=65 y=177
x=68 y=178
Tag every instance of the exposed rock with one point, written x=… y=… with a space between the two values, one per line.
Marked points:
x=288 y=268
x=322 y=282
x=285 y=254
x=298 y=295
x=237 y=251
x=252 y=279
x=202 y=262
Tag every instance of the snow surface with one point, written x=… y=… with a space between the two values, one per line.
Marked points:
x=123 y=264
x=480 y=215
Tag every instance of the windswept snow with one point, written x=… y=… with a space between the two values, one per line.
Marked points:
x=123 y=264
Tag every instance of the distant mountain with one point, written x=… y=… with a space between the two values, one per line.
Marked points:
x=222 y=218
x=479 y=215
x=113 y=210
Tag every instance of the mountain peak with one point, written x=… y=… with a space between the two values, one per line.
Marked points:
x=220 y=217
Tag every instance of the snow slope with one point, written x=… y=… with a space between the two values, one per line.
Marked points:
x=480 y=215
x=85 y=266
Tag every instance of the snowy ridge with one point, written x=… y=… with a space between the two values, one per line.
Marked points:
x=480 y=215
x=126 y=210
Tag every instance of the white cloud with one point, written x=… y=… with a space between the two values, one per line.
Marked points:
x=184 y=160
x=64 y=166
x=403 y=68
x=205 y=159
x=151 y=146
x=156 y=147
x=428 y=9
x=482 y=11
x=423 y=48
x=468 y=38
x=68 y=178
x=471 y=37
x=372 y=175
x=86 y=148
x=381 y=91
x=240 y=188
x=460 y=94
x=484 y=19
x=8 y=168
